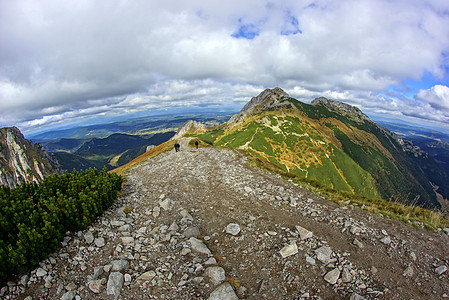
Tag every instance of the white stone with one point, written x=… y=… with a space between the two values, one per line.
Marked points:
x=89 y=237
x=120 y=265
x=310 y=260
x=127 y=240
x=304 y=233
x=99 y=242
x=198 y=246
x=332 y=276
x=323 y=254
x=289 y=250
x=41 y=272
x=386 y=240
x=96 y=286
x=147 y=276
x=115 y=283
x=441 y=269
x=223 y=292
x=166 y=204
x=215 y=274
x=233 y=228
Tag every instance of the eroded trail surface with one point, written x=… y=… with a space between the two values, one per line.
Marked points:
x=203 y=224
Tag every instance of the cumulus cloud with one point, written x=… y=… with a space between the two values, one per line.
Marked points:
x=437 y=97
x=67 y=58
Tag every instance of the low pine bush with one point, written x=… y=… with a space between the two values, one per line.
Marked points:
x=34 y=217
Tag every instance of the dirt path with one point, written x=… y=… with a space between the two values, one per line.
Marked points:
x=182 y=205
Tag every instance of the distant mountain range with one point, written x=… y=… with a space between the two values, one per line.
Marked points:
x=335 y=144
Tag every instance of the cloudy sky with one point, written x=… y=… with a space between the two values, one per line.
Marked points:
x=75 y=60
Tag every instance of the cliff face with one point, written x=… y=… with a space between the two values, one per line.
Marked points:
x=23 y=161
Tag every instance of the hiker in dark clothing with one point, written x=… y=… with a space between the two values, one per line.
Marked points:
x=177 y=147
x=196 y=144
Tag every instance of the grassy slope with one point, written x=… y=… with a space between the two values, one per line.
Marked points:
x=315 y=143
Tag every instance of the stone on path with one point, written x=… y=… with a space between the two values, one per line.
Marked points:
x=96 y=286
x=115 y=283
x=304 y=233
x=441 y=269
x=120 y=265
x=99 y=242
x=323 y=254
x=192 y=231
x=89 y=237
x=223 y=292
x=147 y=276
x=332 y=276
x=289 y=250
x=386 y=240
x=216 y=275
x=198 y=246
x=41 y=272
x=408 y=272
x=233 y=228
x=69 y=295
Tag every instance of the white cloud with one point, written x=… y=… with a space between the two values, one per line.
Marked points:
x=437 y=97
x=62 y=58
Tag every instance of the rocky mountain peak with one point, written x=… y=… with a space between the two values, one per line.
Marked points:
x=341 y=108
x=21 y=160
x=268 y=99
x=191 y=126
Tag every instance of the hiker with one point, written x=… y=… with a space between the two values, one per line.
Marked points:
x=196 y=144
x=177 y=147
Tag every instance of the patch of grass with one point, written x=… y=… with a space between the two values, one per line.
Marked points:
x=409 y=214
x=162 y=148
x=201 y=144
x=233 y=281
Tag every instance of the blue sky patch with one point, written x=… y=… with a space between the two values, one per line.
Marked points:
x=291 y=26
x=246 y=31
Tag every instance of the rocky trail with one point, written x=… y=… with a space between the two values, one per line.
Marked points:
x=202 y=224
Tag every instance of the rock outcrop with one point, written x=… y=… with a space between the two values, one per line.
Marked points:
x=23 y=161
x=268 y=99
x=191 y=126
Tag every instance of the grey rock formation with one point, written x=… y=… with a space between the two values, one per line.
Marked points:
x=23 y=161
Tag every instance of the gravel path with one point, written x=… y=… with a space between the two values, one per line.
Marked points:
x=203 y=224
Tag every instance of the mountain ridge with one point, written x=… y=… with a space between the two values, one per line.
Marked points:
x=23 y=161
x=334 y=143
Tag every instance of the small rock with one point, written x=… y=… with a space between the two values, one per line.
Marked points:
x=185 y=251
x=356 y=296
x=304 y=233
x=323 y=254
x=166 y=204
x=126 y=227
x=346 y=275
x=89 y=237
x=310 y=260
x=332 y=276
x=210 y=261
x=147 y=276
x=413 y=256
x=41 y=272
x=355 y=230
x=69 y=295
x=115 y=283
x=185 y=215
x=120 y=265
x=96 y=286
x=127 y=278
x=216 y=275
x=71 y=287
x=441 y=269
x=223 y=292
x=156 y=211
x=173 y=227
x=408 y=272
x=98 y=271
x=233 y=228
x=289 y=250
x=198 y=246
x=127 y=240
x=446 y=230
x=357 y=243
x=191 y=231
x=99 y=242
x=386 y=240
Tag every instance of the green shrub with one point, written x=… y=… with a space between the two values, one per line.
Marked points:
x=33 y=218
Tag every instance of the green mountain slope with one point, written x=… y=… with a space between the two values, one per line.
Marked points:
x=331 y=142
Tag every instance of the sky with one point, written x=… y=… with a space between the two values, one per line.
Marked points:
x=72 y=61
